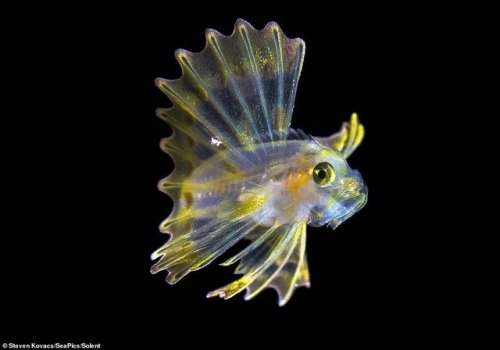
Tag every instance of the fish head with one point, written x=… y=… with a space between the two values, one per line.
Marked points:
x=336 y=190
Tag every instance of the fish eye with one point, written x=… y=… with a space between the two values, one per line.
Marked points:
x=323 y=174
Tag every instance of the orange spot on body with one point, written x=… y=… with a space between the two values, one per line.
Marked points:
x=295 y=181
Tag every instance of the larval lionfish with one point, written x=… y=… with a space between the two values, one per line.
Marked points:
x=241 y=172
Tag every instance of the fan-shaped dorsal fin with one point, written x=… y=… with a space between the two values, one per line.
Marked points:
x=239 y=87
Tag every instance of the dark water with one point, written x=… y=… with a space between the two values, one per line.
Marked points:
x=86 y=211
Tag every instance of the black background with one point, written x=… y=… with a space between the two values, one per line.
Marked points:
x=89 y=162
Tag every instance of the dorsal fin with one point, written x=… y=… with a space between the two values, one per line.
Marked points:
x=293 y=134
x=239 y=87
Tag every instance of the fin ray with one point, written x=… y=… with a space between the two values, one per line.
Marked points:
x=285 y=281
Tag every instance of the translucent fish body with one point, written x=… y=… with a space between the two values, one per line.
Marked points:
x=241 y=173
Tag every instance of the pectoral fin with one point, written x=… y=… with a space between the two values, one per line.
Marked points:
x=275 y=260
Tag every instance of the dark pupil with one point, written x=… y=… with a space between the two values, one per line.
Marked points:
x=321 y=174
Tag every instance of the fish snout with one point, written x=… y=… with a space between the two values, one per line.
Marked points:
x=353 y=186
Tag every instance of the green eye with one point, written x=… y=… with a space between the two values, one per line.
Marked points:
x=323 y=174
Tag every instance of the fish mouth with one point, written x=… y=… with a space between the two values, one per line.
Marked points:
x=349 y=207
